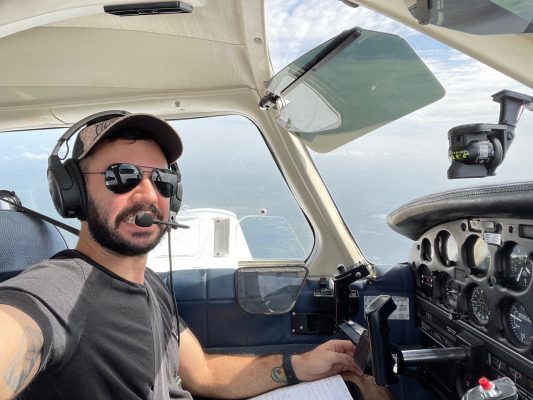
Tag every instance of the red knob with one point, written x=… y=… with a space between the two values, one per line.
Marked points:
x=485 y=383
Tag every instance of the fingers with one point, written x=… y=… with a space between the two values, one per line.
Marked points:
x=344 y=362
x=330 y=358
x=340 y=346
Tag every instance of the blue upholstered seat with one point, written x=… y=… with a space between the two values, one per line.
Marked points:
x=25 y=240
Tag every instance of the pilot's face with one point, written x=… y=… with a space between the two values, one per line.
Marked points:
x=111 y=217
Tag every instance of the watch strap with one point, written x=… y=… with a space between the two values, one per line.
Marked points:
x=289 y=371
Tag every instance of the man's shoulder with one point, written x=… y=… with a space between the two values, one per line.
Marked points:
x=52 y=270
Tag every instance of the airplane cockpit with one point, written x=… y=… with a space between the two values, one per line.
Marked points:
x=353 y=169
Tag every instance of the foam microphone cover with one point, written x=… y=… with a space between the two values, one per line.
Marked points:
x=144 y=220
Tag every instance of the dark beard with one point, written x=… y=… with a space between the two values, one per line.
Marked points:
x=108 y=237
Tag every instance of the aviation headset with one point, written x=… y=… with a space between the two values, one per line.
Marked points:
x=66 y=182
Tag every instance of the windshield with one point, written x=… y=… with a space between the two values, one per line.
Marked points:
x=373 y=175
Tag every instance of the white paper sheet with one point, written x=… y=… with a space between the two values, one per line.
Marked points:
x=332 y=388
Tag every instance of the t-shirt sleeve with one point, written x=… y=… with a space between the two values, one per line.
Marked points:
x=182 y=324
x=55 y=296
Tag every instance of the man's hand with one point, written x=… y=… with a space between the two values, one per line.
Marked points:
x=368 y=388
x=330 y=358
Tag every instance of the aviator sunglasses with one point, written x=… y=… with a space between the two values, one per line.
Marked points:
x=121 y=178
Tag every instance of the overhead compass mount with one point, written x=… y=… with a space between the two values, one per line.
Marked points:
x=476 y=150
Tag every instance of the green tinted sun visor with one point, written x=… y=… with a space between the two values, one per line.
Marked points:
x=349 y=86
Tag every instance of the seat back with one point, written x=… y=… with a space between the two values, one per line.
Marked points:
x=24 y=241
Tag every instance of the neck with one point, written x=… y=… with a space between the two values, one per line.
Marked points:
x=130 y=268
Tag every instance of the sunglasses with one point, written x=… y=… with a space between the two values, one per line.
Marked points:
x=121 y=178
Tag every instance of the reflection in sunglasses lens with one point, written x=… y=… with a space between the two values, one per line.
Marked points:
x=122 y=178
x=165 y=181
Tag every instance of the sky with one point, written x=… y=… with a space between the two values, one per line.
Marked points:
x=295 y=26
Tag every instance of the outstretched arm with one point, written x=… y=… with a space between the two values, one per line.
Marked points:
x=225 y=376
x=21 y=343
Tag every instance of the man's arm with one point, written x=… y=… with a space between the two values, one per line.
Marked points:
x=225 y=376
x=21 y=344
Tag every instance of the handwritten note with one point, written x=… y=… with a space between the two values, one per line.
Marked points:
x=332 y=388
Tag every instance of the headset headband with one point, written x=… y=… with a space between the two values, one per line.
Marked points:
x=90 y=120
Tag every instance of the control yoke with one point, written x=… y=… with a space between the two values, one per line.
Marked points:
x=388 y=361
x=373 y=343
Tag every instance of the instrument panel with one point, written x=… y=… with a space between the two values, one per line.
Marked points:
x=475 y=275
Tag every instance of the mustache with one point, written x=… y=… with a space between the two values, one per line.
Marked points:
x=124 y=214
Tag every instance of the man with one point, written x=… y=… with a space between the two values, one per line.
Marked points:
x=94 y=322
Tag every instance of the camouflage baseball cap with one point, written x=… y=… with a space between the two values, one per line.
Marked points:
x=159 y=130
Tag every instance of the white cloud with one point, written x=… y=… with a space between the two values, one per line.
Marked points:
x=294 y=26
x=34 y=156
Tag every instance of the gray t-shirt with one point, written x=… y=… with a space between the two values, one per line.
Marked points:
x=104 y=337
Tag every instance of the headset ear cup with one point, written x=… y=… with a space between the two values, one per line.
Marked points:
x=175 y=201
x=54 y=183
x=63 y=187
x=78 y=188
x=67 y=188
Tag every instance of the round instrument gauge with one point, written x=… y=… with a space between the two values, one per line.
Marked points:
x=519 y=268
x=451 y=292
x=478 y=307
x=478 y=255
x=519 y=324
x=447 y=248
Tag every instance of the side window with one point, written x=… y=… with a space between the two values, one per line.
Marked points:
x=23 y=162
x=236 y=203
